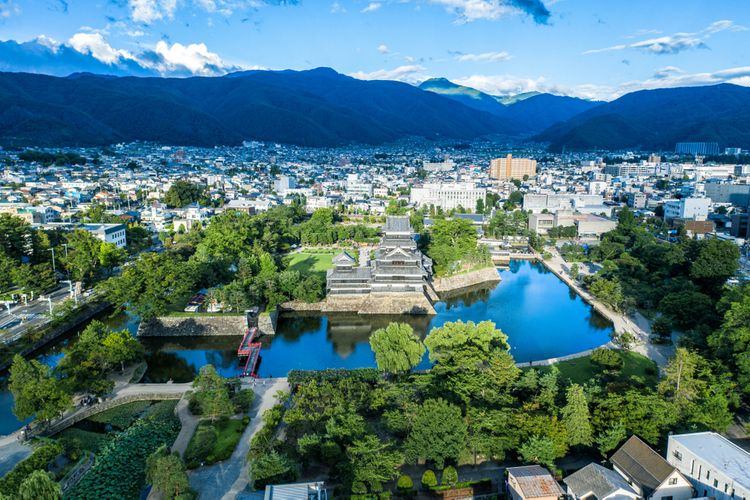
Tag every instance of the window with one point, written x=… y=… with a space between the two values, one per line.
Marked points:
x=672 y=480
x=667 y=498
x=708 y=475
x=716 y=483
x=677 y=455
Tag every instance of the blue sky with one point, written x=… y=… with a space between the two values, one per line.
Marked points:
x=596 y=49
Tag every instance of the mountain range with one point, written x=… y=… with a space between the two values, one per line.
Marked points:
x=321 y=107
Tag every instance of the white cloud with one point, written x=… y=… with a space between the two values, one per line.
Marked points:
x=411 y=73
x=195 y=57
x=383 y=49
x=372 y=7
x=48 y=42
x=337 y=8
x=98 y=47
x=474 y=10
x=677 y=42
x=148 y=11
x=502 y=84
x=484 y=57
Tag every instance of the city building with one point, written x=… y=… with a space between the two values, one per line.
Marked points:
x=398 y=265
x=284 y=183
x=448 y=195
x=697 y=148
x=442 y=166
x=512 y=168
x=648 y=473
x=356 y=187
x=727 y=192
x=108 y=233
x=583 y=203
x=687 y=208
x=715 y=466
x=637 y=200
x=532 y=481
x=740 y=227
x=597 y=482
x=631 y=169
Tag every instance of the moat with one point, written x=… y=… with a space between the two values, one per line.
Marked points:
x=541 y=315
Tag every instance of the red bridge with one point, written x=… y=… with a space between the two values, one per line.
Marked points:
x=250 y=350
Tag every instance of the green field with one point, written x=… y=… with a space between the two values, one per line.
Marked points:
x=581 y=370
x=313 y=262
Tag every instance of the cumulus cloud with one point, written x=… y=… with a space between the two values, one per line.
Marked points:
x=95 y=45
x=148 y=11
x=372 y=7
x=484 y=57
x=677 y=42
x=9 y=8
x=473 y=10
x=48 y=42
x=383 y=49
x=410 y=73
x=503 y=84
x=163 y=59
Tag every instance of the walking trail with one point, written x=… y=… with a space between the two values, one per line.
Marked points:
x=189 y=423
x=227 y=479
x=636 y=324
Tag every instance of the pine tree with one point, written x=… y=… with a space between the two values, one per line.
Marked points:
x=576 y=417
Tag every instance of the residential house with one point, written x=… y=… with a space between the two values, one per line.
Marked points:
x=648 y=473
x=595 y=482
x=532 y=481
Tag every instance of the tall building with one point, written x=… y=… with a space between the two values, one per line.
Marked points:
x=512 y=168
x=687 y=208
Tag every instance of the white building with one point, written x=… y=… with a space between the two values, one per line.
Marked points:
x=687 y=208
x=108 y=233
x=355 y=187
x=284 y=183
x=715 y=466
x=448 y=195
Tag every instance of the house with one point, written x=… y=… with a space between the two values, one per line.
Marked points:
x=648 y=473
x=595 y=482
x=296 y=491
x=532 y=481
x=715 y=466
x=346 y=278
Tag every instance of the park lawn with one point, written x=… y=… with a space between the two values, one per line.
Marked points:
x=581 y=370
x=228 y=432
x=307 y=263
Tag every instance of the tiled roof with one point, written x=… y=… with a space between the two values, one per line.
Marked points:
x=535 y=481
x=641 y=464
x=596 y=480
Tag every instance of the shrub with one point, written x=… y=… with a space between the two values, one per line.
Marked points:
x=405 y=483
x=201 y=445
x=429 y=480
x=242 y=400
x=662 y=327
x=450 y=476
x=607 y=359
x=261 y=442
x=333 y=374
x=272 y=468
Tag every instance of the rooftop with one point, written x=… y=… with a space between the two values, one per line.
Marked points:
x=596 y=480
x=535 y=481
x=641 y=463
x=719 y=452
x=397 y=224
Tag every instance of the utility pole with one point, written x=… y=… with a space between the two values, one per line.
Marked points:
x=49 y=301
x=54 y=269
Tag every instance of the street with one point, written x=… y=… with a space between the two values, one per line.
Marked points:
x=15 y=322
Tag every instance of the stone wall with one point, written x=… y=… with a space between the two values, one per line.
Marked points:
x=193 y=326
x=452 y=284
x=267 y=323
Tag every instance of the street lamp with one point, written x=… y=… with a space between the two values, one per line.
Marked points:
x=54 y=270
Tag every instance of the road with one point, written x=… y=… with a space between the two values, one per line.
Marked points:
x=13 y=324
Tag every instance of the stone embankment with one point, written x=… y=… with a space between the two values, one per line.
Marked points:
x=455 y=284
x=193 y=326
x=413 y=303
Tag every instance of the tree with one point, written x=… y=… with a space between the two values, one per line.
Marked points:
x=149 y=286
x=479 y=206
x=538 y=450
x=576 y=417
x=451 y=241
x=36 y=391
x=438 y=433
x=662 y=327
x=87 y=256
x=607 y=359
x=472 y=360
x=37 y=486
x=611 y=437
x=731 y=342
x=85 y=364
x=397 y=348
x=716 y=262
x=271 y=468
x=121 y=347
x=183 y=193
x=405 y=483
x=166 y=473
x=15 y=236
x=609 y=292
x=373 y=462
x=212 y=394
x=686 y=308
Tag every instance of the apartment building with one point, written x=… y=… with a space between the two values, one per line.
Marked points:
x=512 y=168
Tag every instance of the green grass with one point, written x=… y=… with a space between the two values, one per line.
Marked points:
x=637 y=366
x=227 y=434
x=311 y=263
x=121 y=417
x=89 y=441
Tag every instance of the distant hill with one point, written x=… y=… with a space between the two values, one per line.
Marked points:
x=658 y=119
x=528 y=113
x=314 y=108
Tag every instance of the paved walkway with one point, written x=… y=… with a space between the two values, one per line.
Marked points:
x=11 y=453
x=636 y=324
x=227 y=479
x=189 y=423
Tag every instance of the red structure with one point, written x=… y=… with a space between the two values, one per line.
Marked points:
x=250 y=350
